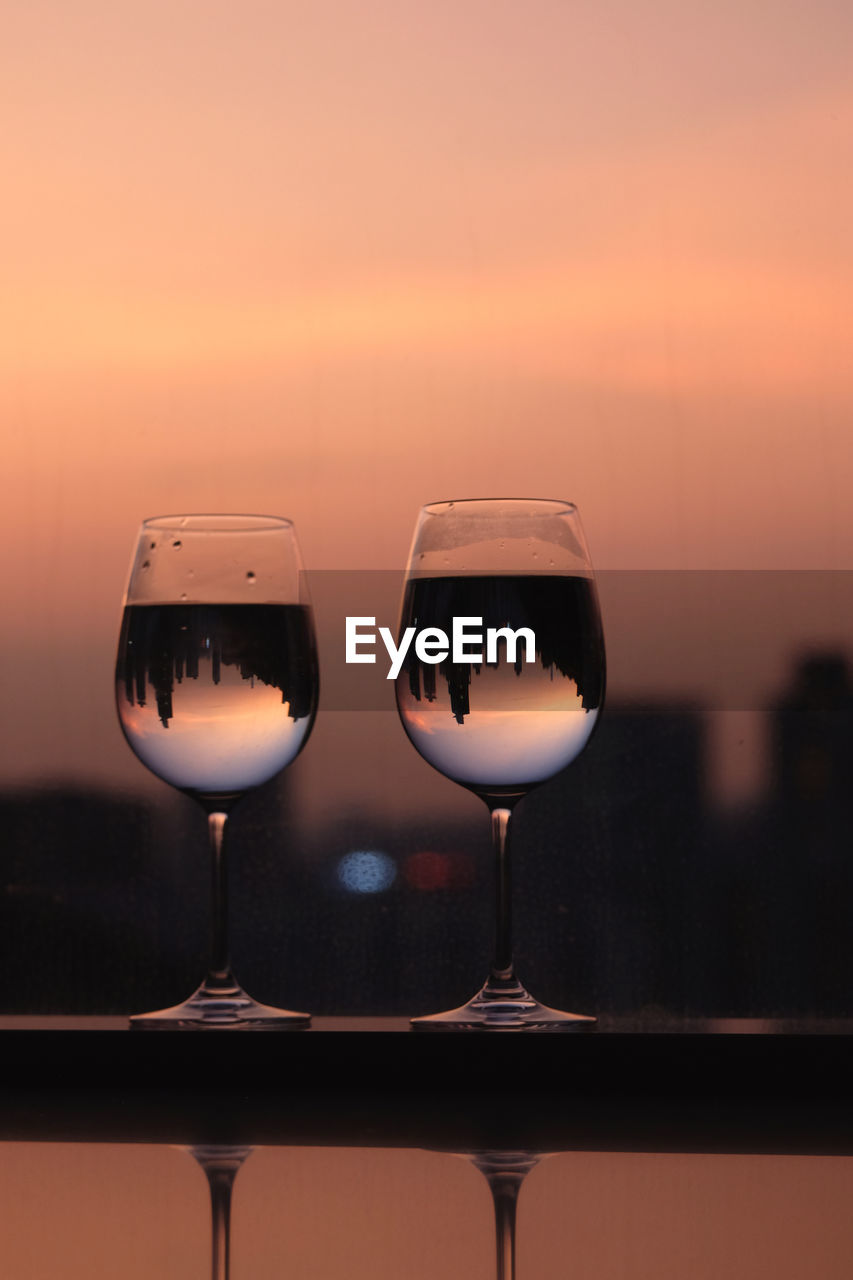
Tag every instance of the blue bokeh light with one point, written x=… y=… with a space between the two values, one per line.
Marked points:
x=364 y=871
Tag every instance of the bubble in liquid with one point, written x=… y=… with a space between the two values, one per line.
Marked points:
x=176 y=544
x=183 y=597
x=250 y=576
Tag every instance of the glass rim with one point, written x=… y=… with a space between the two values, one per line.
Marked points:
x=222 y=522
x=442 y=508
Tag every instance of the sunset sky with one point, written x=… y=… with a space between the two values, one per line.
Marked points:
x=334 y=261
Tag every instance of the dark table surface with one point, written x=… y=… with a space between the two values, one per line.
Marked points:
x=655 y=1085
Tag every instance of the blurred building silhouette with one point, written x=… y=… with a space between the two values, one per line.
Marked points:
x=605 y=922
x=106 y=901
x=783 y=874
x=83 y=911
x=632 y=894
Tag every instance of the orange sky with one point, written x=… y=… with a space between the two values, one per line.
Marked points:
x=333 y=263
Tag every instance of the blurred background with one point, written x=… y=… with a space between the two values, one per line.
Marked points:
x=333 y=263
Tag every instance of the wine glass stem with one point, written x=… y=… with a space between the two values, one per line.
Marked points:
x=502 y=967
x=219 y=975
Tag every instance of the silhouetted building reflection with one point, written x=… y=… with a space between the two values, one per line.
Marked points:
x=163 y=645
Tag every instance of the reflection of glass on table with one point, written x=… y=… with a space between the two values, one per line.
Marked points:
x=138 y=1210
x=220 y=1164
x=505 y=1171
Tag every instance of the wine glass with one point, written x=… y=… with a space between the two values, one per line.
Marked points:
x=216 y=690
x=518 y=709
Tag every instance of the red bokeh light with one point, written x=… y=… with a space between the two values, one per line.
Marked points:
x=427 y=871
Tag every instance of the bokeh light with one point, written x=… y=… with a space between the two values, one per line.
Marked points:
x=365 y=871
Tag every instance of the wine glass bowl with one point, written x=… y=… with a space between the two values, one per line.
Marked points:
x=520 y=698
x=216 y=692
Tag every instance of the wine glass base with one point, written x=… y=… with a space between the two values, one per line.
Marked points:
x=214 y=1010
x=507 y=1010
